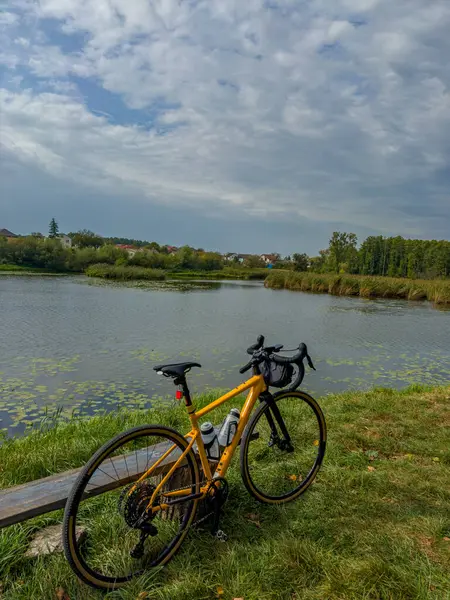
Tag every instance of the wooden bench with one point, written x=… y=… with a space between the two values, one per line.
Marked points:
x=23 y=502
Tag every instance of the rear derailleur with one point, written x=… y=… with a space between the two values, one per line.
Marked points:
x=133 y=506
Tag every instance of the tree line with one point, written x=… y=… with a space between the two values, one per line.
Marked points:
x=377 y=255
x=385 y=256
x=49 y=253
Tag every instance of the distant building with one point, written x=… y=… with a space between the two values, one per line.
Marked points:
x=269 y=259
x=65 y=240
x=129 y=248
x=7 y=233
x=233 y=257
x=171 y=249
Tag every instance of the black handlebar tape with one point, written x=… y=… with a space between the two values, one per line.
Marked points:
x=298 y=380
x=246 y=368
x=297 y=358
x=259 y=344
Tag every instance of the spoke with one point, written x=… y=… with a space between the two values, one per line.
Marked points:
x=105 y=473
x=126 y=465
x=110 y=537
x=114 y=467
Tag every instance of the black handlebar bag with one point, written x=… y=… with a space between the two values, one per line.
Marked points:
x=276 y=375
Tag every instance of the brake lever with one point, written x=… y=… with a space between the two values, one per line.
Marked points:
x=310 y=363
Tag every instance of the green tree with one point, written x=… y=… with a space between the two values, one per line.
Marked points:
x=342 y=249
x=153 y=246
x=319 y=263
x=254 y=262
x=86 y=239
x=301 y=262
x=210 y=261
x=53 y=228
x=186 y=258
x=4 y=253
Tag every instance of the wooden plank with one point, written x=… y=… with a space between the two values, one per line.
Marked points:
x=29 y=500
x=35 y=498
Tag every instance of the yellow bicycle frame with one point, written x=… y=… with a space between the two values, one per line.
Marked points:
x=256 y=385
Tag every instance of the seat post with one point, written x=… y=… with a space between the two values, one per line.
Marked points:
x=186 y=393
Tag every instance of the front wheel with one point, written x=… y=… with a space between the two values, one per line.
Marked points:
x=283 y=447
x=123 y=536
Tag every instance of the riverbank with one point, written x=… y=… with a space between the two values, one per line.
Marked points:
x=225 y=273
x=434 y=290
x=383 y=492
x=129 y=273
x=20 y=270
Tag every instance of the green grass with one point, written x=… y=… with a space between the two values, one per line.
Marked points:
x=434 y=290
x=24 y=270
x=124 y=272
x=131 y=272
x=128 y=272
x=372 y=527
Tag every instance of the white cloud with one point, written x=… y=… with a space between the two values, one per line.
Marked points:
x=324 y=109
x=7 y=19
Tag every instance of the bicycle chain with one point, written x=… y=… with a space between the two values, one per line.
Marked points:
x=205 y=517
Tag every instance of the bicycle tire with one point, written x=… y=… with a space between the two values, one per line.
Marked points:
x=261 y=452
x=73 y=550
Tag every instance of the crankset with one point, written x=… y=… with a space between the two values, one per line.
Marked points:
x=217 y=495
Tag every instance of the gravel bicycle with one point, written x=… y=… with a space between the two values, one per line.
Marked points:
x=138 y=495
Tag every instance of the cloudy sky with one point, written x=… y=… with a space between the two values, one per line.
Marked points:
x=256 y=125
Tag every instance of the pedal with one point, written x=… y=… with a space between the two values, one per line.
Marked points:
x=221 y=536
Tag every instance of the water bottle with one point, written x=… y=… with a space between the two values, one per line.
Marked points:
x=229 y=428
x=210 y=441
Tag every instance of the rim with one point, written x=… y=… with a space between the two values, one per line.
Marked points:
x=275 y=473
x=111 y=516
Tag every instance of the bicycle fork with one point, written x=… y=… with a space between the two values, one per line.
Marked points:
x=283 y=443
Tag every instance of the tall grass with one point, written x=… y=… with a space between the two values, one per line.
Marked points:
x=437 y=291
x=225 y=273
x=124 y=272
x=6 y=268
x=375 y=524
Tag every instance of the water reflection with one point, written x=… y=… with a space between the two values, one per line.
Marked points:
x=80 y=345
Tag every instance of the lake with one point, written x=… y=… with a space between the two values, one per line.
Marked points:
x=71 y=344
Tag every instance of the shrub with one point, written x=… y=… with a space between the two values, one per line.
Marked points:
x=124 y=272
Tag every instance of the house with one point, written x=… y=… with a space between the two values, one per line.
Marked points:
x=6 y=233
x=233 y=257
x=130 y=249
x=230 y=257
x=270 y=259
x=171 y=249
x=66 y=241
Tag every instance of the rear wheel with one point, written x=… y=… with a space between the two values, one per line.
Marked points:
x=123 y=537
x=277 y=469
